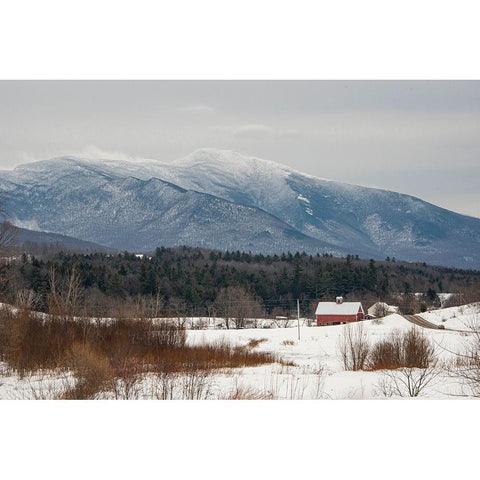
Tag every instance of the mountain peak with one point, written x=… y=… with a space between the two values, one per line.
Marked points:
x=226 y=158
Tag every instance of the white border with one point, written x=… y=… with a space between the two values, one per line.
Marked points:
x=219 y=39
x=240 y=40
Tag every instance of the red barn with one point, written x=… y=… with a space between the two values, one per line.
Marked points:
x=335 y=313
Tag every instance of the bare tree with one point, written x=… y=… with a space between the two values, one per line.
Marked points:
x=146 y=306
x=466 y=367
x=224 y=304
x=280 y=317
x=196 y=383
x=235 y=303
x=354 y=347
x=27 y=299
x=409 y=381
x=127 y=384
x=179 y=308
x=470 y=294
x=408 y=304
x=65 y=292
x=380 y=310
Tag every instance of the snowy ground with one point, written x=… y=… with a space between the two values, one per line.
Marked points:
x=462 y=318
x=318 y=372
x=318 y=348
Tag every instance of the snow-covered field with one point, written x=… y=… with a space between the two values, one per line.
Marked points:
x=318 y=372
x=462 y=318
x=318 y=348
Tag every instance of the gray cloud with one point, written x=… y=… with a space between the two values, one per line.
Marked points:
x=197 y=109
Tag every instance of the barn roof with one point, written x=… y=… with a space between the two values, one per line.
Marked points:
x=333 y=308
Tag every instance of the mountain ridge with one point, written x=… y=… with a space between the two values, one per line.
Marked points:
x=110 y=200
x=329 y=215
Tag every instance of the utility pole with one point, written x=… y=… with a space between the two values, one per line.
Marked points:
x=298 y=317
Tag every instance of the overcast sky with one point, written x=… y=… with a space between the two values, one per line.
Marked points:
x=421 y=138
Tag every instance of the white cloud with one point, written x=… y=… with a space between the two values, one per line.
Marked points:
x=28 y=224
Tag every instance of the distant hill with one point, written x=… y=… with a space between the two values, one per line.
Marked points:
x=26 y=236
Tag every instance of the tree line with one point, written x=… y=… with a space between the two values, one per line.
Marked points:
x=187 y=281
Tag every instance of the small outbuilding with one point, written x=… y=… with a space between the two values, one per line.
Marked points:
x=338 y=312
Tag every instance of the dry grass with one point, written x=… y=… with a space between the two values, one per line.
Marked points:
x=241 y=392
x=92 y=370
x=114 y=356
x=255 y=342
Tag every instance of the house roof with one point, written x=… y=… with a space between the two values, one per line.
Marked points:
x=333 y=308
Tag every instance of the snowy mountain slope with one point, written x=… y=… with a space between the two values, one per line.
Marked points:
x=139 y=215
x=387 y=223
x=69 y=243
x=371 y=222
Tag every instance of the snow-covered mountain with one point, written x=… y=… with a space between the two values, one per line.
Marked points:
x=222 y=199
x=79 y=199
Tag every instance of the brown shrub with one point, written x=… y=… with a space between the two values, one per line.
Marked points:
x=410 y=349
x=215 y=355
x=255 y=342
x=92 y=371
x=386 y=354
x=14 y=328
x=115 y=355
